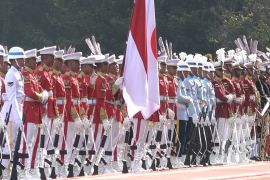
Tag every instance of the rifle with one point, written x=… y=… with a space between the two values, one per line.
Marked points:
x=3 y=141
x=14 y=173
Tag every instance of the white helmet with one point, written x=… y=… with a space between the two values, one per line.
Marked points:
x=191 y=62
x=183 y=66
x=211 y=67
x=16 y=53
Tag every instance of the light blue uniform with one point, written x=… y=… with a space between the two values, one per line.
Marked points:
x=191 y=91
x=183 y=100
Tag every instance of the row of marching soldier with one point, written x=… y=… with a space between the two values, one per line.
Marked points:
x=63 y=115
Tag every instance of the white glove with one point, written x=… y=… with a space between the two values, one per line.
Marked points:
x=195 y=119
x=171 y=114
x=78 y=124
x=44 y=97
x=252 y=97
x=127 y=122
x=230 y=98
x=162 y=118
x=106 y=125
x=93 y=79
x=119 y=82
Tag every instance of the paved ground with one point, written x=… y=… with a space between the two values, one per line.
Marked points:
x=257 y=170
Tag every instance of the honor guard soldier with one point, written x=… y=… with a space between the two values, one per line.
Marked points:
x=72 y=120
x=223 y=107
x=42 y=73
x=184 y=100
x=34 y=99
x=13 y=103
x=59 y=93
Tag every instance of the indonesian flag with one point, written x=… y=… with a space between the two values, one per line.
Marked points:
x=141 y=82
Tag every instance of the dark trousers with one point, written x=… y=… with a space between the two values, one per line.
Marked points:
x=182 y=137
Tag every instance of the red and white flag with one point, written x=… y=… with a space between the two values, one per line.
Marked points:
x=141 y=82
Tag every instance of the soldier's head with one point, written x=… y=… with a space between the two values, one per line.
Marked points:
x=162 y=64
x=58 y=60
x=182 y=69
x=113 y=68
x=72 y=61
x=16 y=57
x=237 y=70
x=47 y=55
x=219 y=69
x=172 y=66
x=87 y=64
x=162 y=68
x=30 y=58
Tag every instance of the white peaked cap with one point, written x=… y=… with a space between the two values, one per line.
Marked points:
x=31 y=53
x=2 y=51
x=47 y=50
x=162 y=59
x=182 y=66
x=88 y=60
x=73 y=56
x=173 y=61
x=59 y=54
x=100 y=59
x=16 y=53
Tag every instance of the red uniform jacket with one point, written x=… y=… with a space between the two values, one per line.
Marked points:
x=239 y=94
x=58 y=90
x=163 y=90
x=250 y=90
x=222 y=109
x=83 y=84
x=32 y=105
x=101 y=87
x=109 y=96
x=72 y=95
x=45 y=81
x=172 y=93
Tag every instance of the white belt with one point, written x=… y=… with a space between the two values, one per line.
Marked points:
x=60 y=101
x=91 y=101
x=219 y=101
x=164 y=98
x=172 y=100
x=28 y=99
x=109 y=102
x=84 y=100
x=76 y=101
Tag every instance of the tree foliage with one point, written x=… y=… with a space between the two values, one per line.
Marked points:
x=192 y=25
